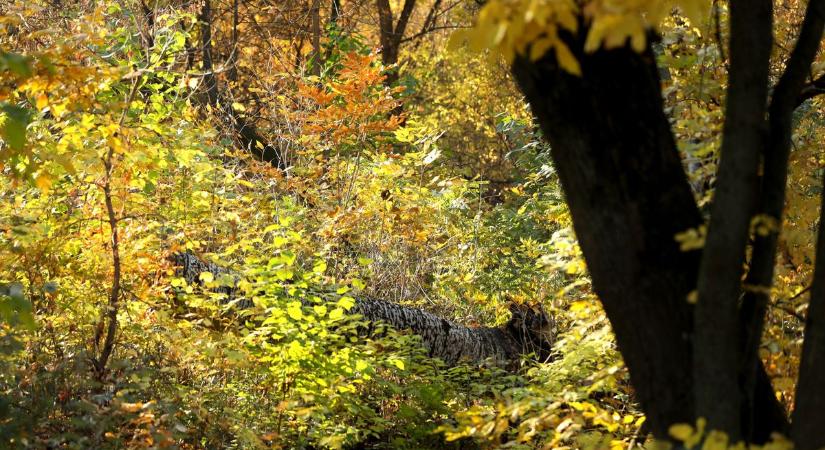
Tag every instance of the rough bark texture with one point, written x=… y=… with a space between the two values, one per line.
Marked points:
x=628 y=195
x=529 y=330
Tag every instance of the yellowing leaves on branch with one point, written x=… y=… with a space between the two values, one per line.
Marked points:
x=531 y=28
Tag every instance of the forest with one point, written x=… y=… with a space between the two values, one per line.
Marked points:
x=412 y=224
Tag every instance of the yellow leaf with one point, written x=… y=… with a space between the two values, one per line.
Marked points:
x=638 y=40
x=41 y=101
x=293 y=310
x=695 y=10
x=43 y=182
x=457 y=40
x=131 y=407
x=540 y=47
x=320 y=310
x=336 y=314
x=238 y=107
x=346 y=302
x=681 y=431
x=566 y=59
x=398 y=363
x=716 y=440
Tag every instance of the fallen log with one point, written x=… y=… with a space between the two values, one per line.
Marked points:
x=529 y=331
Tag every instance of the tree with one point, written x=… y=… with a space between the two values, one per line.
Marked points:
x=245 y=131
x=617 y=160
x=392 y=32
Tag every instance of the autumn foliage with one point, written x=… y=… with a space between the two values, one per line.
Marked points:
x=125 y=139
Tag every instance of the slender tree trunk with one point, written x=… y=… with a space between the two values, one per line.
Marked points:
x=209 y=78
x=786 y=97
x=108 y=319
x=246 y=132
x=233 y=55
x=809 y=415
x=391 y=34
x=335 y=11
x=315 y=60
x=717 y=346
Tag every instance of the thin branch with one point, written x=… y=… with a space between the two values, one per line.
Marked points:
x=811 y=90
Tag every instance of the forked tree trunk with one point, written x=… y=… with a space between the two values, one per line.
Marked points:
x=628 y=195
x=529 y=330
x=243 y=129
x=627 y=192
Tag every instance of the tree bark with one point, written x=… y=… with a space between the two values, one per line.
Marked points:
x=809 y=414
x=391 y=34
x=335 y=12
x=246 y=133
x=209 y=79
x=717 y=347
x=529 y=330
x=628 y=195
x=786 y=98
x=315 y=67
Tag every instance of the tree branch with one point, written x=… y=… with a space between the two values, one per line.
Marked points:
x=811 y=90
x=403 y=20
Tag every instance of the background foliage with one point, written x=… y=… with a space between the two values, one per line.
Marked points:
x=434 y=192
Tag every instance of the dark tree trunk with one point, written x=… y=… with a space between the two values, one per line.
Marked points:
x=209 y=79
x=717 y=349
x=787 y=95
x=629 y=197
x=315 y=60
x=335 y=12
x=809 y=415
x=246 y=133
x=391 y=33
x=529 y=330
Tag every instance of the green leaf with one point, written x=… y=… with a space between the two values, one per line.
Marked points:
x=16 y=119
x=293 y=310
x=18 y=64
x=346 y=302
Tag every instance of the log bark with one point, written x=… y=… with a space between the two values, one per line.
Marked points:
x=529 y=331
